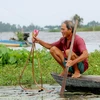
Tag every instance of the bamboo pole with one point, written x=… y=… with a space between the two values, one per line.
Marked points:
x=69 y=57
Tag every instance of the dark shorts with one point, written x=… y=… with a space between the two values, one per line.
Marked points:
x=71 y=69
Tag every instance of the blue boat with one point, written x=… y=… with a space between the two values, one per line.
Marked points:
x=15 y=43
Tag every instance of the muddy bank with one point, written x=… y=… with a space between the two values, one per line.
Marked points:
x=50 y=93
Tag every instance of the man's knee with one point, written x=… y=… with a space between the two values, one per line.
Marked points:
x=67 y=52
x=53 y=49
x=73 y=55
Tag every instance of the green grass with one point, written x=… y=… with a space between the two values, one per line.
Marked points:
x=43 y=63
x=94 y=63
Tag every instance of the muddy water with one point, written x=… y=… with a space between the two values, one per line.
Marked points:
x=49 y=93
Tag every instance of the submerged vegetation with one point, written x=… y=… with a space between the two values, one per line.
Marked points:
x=12 y=62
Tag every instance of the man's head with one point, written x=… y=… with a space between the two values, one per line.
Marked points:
x=67 y=28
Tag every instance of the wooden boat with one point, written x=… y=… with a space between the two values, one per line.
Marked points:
x=15 y=43
x=86 y=83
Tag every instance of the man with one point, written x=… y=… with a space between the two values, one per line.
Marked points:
x=60 y=50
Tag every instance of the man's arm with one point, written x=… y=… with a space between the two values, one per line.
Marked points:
x=80 y=58
x=44 y=44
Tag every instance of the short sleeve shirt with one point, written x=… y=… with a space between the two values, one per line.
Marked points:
x=78 y=47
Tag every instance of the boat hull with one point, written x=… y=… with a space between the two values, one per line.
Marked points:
x=86 y=83
x=14 y=43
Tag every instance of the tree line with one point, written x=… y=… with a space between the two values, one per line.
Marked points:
x=6 y=27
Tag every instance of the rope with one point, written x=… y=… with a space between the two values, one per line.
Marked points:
x=33 y=75
x=20 y=77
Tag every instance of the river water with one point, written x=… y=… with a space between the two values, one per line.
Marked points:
x=92 y=40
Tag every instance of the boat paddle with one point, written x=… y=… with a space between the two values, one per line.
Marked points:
x=69 y=57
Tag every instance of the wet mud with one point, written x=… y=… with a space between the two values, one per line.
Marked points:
x=51 y=92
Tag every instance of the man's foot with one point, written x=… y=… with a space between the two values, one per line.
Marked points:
x=62 y=73
x=76 y=75
x=69 y=74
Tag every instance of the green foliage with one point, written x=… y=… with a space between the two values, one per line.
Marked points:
x=93 y=23
x=14 y=28
x=85 y=29
x=20 y=36
x=77 y=17
x=4 y=55
x=89 y=28
x=94 y=63
x=12 y=65
x=96 y=28
x=9 y=56
x=55 y=30
x=7 y=27
x=43 y=64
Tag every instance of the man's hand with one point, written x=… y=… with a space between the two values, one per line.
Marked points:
x=69 y=63
x=35 y=32
x=34 y=35
x=35 y=39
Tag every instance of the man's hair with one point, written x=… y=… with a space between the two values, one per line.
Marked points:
x=69 y=24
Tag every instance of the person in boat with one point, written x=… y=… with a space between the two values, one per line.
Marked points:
x=25 y=38
x=61 y=48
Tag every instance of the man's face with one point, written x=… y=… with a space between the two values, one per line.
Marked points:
x=64 y=30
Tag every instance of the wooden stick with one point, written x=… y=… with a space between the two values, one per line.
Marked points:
x=69 y=57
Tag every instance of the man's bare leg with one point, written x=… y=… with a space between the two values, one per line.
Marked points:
x=76 y=70
x=59 y=57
